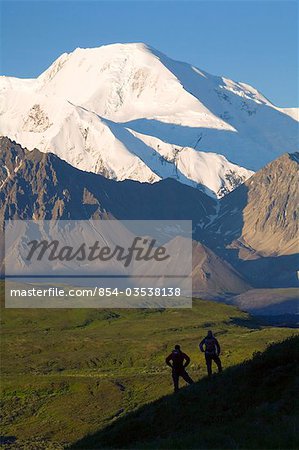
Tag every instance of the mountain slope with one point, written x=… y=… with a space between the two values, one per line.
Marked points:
x=41 y=186
x=256 y=228
x=261 y=216
x=36 y=186
x=213 y=277
x=93 y=143
x=128 y=111
x=250 y=406
x=270 y=302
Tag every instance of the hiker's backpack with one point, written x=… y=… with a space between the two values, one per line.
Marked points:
x=210 y=344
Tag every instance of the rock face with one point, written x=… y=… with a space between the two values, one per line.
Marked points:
x=247 y=239
x=127 y=111
x=37 y=185
x=256 y=227
x=261 y=216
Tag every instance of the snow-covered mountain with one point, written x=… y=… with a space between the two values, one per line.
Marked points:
x=129 y=112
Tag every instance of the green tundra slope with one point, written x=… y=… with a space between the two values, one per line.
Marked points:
x=69 y=373
x=249 y=406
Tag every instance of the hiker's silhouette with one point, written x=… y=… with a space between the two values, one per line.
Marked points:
x=178 y=361
x=211 y=348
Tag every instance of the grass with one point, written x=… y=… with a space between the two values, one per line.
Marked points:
x=249 y=406
x=70 y=373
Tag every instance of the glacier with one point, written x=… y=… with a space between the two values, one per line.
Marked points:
x=128 y=111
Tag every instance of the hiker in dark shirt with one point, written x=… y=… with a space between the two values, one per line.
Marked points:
x=211 y=348
x=178 y=361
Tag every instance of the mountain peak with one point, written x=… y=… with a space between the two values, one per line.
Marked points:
x=119 y=46
x=113 y=48
x=128 y=111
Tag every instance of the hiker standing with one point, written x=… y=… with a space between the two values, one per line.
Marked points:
x=211 y=348
x=178 y=361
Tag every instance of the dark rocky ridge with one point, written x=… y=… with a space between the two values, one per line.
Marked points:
x=253 y=234
x=39 y=185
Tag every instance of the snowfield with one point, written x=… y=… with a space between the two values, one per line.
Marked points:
x=129 y=112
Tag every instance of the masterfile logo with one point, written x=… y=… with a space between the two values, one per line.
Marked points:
x=140 y=249
x=106 y=263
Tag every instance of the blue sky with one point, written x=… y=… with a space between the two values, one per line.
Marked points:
x=250 y=41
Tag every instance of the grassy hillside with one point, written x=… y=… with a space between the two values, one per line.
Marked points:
x=249 y=406
x=69 y=373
